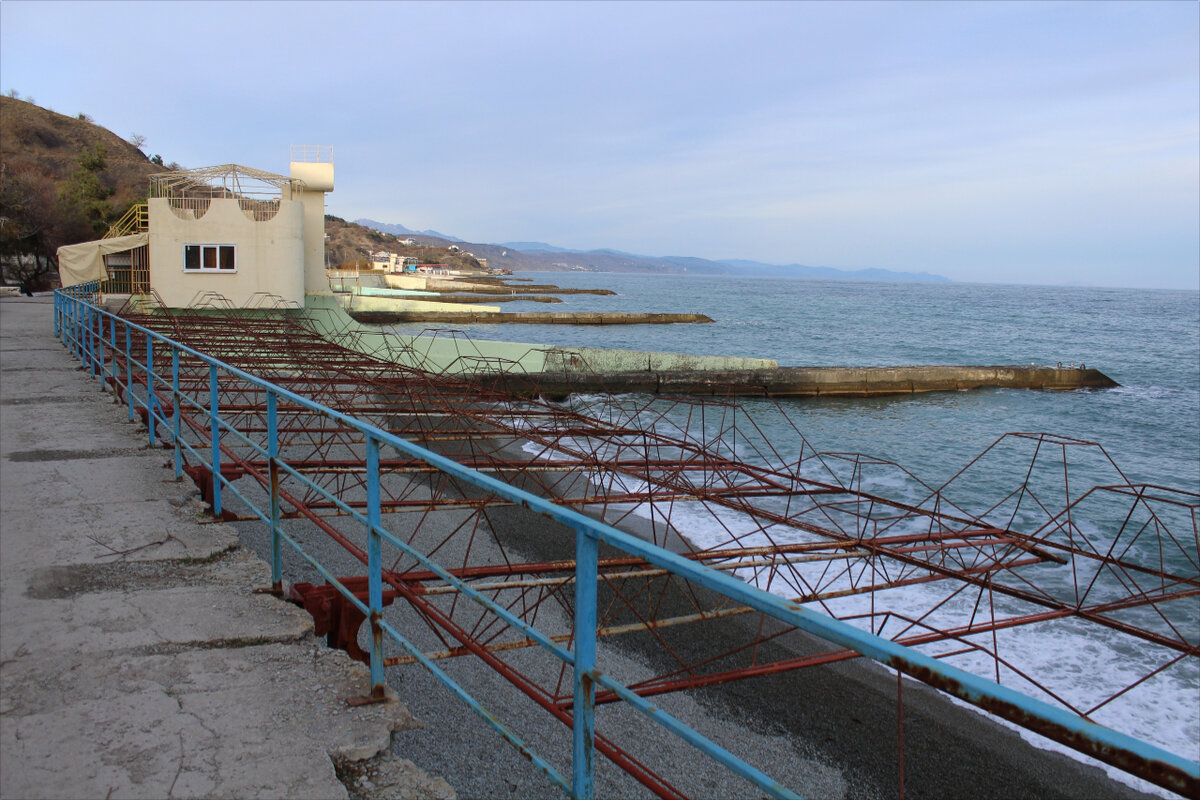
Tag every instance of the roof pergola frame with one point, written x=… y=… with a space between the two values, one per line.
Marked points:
x=224 y=180
x=190 y=191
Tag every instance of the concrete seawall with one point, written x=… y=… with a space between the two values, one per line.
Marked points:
x=805 y=381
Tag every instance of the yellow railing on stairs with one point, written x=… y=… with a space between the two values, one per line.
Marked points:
x=135 y=220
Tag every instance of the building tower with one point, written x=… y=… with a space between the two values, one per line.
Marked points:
x=313 y=164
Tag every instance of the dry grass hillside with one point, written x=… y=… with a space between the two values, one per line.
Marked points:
x=49 y=144
x=348 y=243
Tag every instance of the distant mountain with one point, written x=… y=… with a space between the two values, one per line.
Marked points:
x=745 y=267
x=549 y=257
x=400 y=230
x=538 y=246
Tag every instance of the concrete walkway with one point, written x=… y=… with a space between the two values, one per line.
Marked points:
x=135 y=658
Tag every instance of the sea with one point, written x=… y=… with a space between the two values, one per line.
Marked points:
x=1146 y=431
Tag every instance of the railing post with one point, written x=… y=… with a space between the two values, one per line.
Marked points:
x=175 y=416
x=150 y=387
x=78 y=329
x=214 y=421
x=100 y=349
x=88 y=343
x=79 y=344
x=587 y=557
x=112 y=338
x=57 y=313
x=374 y=567
x=129 y=368
x=273 y=468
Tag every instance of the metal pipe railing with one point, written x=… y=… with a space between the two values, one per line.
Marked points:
x=81 y=325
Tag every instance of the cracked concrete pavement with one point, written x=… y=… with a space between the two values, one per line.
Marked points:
x=135 y=658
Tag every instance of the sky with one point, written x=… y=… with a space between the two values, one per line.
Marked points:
x=1008 y=142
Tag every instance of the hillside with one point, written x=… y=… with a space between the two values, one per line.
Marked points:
x=41 y=142
x=62 y=180
x=348 y=243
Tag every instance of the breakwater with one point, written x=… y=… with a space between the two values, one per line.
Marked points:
x=803 y=381
x=526 y=317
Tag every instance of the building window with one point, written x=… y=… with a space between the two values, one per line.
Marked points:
x=209 y=258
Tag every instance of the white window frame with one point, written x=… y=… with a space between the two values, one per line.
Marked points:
x=215 y=247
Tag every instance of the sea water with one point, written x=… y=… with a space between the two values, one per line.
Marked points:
x=1149 y=427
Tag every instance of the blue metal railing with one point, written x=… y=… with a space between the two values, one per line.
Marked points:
x=88 y=331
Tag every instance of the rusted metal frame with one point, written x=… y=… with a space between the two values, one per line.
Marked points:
x=1137 y=491
x=737 y=674
x=1049 y=721
x=602 y=631
x=543 y=766
x=1157 y=534
x=1000 y=587
x=714 y=497
x=297 y=504
x=1108 y=559
x=660 y=684
x=705 y=745
x=1136 y=683
x=653 y=605
x=633 y=767
x=431 y=612
x=705 y=462
x=969 y=646
x=1140 y=598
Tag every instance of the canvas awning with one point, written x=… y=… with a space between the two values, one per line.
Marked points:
x=83 y=262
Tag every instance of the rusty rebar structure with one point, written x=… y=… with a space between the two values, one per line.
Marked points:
x=859 y=538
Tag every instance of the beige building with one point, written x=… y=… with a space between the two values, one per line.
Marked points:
x=393 y=262
x=218 y=236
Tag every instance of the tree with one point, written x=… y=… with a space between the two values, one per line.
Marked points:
x=36 y=218
x=27 y=228
x=137 y=140
x=83 y=199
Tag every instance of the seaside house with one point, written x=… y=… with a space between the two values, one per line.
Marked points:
x=227 y=235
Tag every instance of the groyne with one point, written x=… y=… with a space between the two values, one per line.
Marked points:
x=803 y=381
x=526 y=317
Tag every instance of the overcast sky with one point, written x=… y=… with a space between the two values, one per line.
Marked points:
x=1007 y=142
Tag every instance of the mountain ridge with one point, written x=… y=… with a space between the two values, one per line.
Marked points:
x=541 y=256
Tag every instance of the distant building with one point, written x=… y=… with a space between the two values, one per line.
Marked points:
x=454 y=248
x=230 y=231
x=393 y=262
x=384 y=260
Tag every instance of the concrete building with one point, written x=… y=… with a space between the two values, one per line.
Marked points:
x=393 y=262
x=243 y=235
